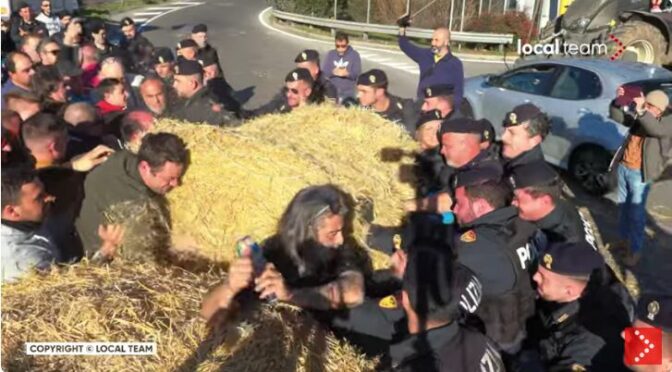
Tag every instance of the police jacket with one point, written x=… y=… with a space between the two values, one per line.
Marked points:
x=496 y=248
x=428 y=167
x=208 y=50
x=140 y=50
x=323 y=89
x=528 y=157
x=199 y=109
x=222 y=92
x=565 y=224
x=400 y=111
x=584 y=333
x=448 y=348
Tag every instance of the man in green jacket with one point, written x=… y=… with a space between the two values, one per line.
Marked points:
x=126 y=177
x=641 y=160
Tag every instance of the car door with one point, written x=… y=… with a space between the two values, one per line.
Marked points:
x=504 y=92
x=579 y=114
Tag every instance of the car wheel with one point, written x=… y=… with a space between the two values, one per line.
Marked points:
x=642 y=41
x=589 y=165
x=466 y=110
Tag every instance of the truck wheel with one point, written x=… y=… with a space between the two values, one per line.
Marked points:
x=643 y=42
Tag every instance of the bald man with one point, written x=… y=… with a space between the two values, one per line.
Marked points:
x=154 y=96
x=437 y=64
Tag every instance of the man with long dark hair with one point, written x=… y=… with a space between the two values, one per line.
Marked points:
x=309 y=263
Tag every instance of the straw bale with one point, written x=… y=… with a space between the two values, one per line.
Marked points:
x=139 y=303
x=240 y=180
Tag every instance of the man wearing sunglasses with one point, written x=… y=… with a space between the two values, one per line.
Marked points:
x=20 y=70
x=297 y=92
x=49 y=19
x=342 y=66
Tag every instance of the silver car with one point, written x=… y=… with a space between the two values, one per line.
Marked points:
x=575 y=93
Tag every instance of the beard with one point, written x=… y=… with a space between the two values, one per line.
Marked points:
x=318 y=260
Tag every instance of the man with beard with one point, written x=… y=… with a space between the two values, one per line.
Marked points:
x=154 y=96
x=372 y=93
x=437 y=64
x=343 y=66
x=323 y=89
x=163 y=65
x=206 y=52
x=310 y=261
x=139 y=48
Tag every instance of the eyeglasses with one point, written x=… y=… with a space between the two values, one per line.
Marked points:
x=292 y=90
x=53 y=51
x=341 y=46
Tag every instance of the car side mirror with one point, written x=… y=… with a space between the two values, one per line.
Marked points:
x=492 y=80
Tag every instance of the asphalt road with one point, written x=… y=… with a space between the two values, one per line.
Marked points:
x=256 y=58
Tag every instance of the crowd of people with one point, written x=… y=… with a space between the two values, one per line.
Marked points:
x=492 y=269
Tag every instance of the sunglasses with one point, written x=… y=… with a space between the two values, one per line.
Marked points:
x=292 y=90
x=53 y=51
x=341 y=46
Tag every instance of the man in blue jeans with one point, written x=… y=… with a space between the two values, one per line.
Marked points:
x=640 y=160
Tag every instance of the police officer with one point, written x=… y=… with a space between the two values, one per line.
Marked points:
x=199 y=34
x=579 y=317
x=493 y=242
x=653 y=310
x=323 y=88
x=437 y=341
x=440 y=97
x=525 y=128
x=219 y=88
x=297 y=92
x=198 y=106
x=372 y=93
x=537 y=195
x=163 y=65
x=428 y=163
x=187 y=49
x=139 y=48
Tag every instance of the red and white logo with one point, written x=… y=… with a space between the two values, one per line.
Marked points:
x=643 y=345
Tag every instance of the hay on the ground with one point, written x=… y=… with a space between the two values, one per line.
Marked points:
x=142 y=303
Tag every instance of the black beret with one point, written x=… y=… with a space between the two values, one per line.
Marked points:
x=439 y=90
x=95 y=26
x=299 y=74
x=207 y=59
x=427 y=116
x=436 y=283
x=199 y=28
x=307 y=55
x=127 y=22
x=489 y=134
x=461 y=125
x=188 y=67
x=22 y=5
x=521 y=114
x=656 y=310
x=187 y=43
x=163 y=55
x=537 y=173
x=479 y=174
x=375 y=77
x=572 y=259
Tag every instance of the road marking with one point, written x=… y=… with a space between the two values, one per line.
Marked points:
x=146 y=13
x=139 y=20
x=162 y=8
x=262 y=20
x=187 y=5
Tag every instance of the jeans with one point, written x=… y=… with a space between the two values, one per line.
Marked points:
x=632 y=195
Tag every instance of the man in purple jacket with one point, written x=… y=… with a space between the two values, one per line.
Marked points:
x=342 y=67
x=437 y=64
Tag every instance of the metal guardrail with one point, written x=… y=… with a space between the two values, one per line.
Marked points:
x=366 y=28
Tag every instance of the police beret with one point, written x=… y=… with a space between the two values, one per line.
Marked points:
x=656 y=310
x=307 y=55
x=299 y=74
x=538 y=173
x=127 y=22
x=373 y=77
x=199 y=28
x=435 y=282
x=188 y=67
x=207 y=59
x=461 y=125
x=489 y=134
x=163 y=55
x=481 y=173
x=427 y=116
x=22 y=5
x=187 y=43
x=439 y=90
x=572 y=259
x=521 y=114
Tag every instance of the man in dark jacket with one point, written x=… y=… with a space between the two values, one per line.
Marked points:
x=198 y=106
x=26 y=24
x=322 y=87
x=437 y=64
x=640 y=161
x=199 y=34
x=154 y=172
x=372 y=93
x=297 y=92
x=139 y=48
x=524 y=129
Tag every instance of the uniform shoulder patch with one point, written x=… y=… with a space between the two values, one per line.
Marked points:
x=469 y=236
x=389 y=302
x=400 y=106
